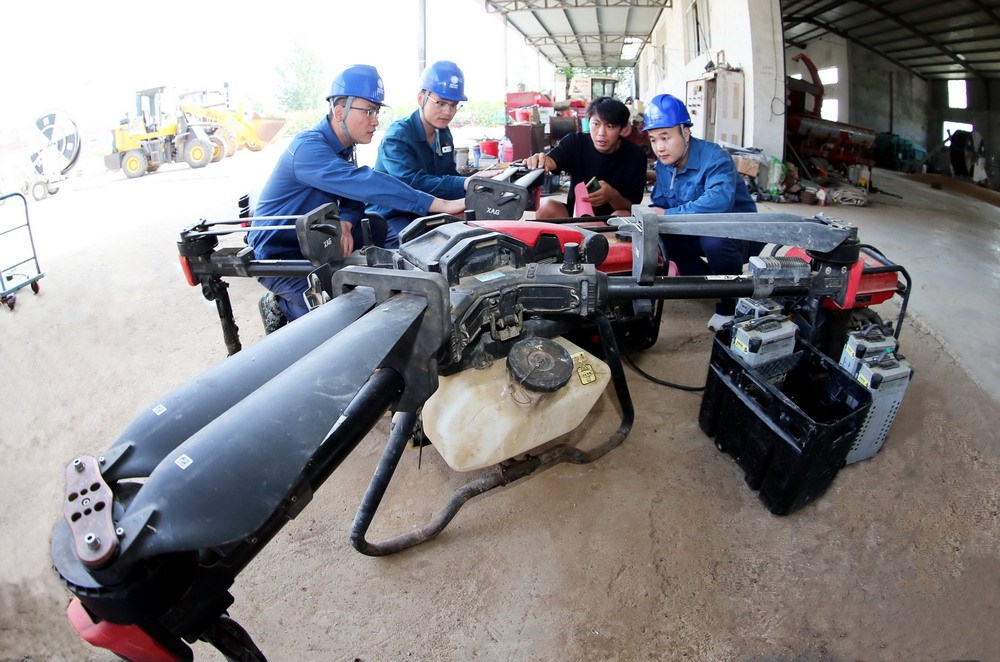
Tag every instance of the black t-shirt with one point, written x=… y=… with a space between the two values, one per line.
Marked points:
x=624 y=169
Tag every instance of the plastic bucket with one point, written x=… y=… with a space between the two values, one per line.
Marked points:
x=508 y=152
x=490 y=148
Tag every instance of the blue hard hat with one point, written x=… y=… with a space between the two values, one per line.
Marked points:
x=359 y=80
x=665 y=111
x=444 y=79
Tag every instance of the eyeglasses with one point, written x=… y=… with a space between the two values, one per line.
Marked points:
x=372 y=113
x=443 y=105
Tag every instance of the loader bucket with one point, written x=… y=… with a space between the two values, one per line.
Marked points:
x=269 y=129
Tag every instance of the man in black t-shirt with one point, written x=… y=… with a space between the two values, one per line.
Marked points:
x=618 y=165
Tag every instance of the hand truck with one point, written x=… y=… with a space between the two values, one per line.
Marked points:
x=21 y=273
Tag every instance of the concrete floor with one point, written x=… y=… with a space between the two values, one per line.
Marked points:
x=948 y=239
x=658 y=551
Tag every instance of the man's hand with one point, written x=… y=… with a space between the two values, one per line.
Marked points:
x=453 y=207
x=346 y=238
x=603 y=195
x=609 y=195
x=540 y=160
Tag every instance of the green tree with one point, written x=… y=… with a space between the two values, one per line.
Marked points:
x=567 y=72
x=303 y=80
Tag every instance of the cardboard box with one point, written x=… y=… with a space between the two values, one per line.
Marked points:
x=745 y=166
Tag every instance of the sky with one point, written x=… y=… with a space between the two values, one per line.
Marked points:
x=80 y=65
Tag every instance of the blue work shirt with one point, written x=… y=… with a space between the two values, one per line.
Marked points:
x=707 y=184
x=316 y=168
x=406 y=155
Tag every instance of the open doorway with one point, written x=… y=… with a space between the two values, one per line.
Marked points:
x=948 y=128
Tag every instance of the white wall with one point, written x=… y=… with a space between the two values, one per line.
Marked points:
x=744 y=34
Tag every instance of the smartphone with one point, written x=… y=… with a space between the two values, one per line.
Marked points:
x=593 y=185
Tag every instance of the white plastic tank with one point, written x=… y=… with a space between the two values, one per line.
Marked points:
x=478 y=418
x=461 y=157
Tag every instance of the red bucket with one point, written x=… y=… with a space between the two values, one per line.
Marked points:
x=490 y=148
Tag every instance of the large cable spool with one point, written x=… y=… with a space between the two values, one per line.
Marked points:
x=967 y=150
x=58 y=145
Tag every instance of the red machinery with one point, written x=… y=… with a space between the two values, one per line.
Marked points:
x=810 y=135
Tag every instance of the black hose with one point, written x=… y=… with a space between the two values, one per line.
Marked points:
x=904 y=292
x=661 y=382
x=401 y=431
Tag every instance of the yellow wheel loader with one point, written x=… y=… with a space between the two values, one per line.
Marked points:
x=248 y=129
x=157 y=135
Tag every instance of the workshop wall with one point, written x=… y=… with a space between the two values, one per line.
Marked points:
x=870 y=103
x=740 y=34
x=993 y=142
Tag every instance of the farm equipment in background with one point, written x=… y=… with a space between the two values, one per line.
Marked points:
x=238 y=127
x=967 y=154
x=158 y=526
x=156 y=135
x=963 y=155
x=894 y=152
x=56 y=154
x=37 y=162
x=810 y=136
x=583 y=87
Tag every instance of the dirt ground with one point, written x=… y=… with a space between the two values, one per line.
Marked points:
x=658 y=551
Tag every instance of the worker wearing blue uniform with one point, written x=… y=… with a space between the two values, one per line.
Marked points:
x=319 y=167
x=419 y=150
x=695 y=176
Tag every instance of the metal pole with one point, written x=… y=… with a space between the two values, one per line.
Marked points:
x=421 y=36
x=506 y=84
x=890 y=102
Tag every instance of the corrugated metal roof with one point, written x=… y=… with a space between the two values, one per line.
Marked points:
x=583 y=33
x=930 y=38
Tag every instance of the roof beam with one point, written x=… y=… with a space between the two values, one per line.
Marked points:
x=808 y=19
x=508 y=6
x=601 y=39
x=945 y=30
x=923 y=35
x=793 y=21
x=562 y=51
x=841 y=33
x=935 y=56
x=569 y=46
x=970 y=40
x=989 y=11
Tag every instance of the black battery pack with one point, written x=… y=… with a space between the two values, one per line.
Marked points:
x=792 y=437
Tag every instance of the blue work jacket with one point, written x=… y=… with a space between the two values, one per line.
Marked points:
x=316 y=168
x=406 y=155
x=707 y=184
